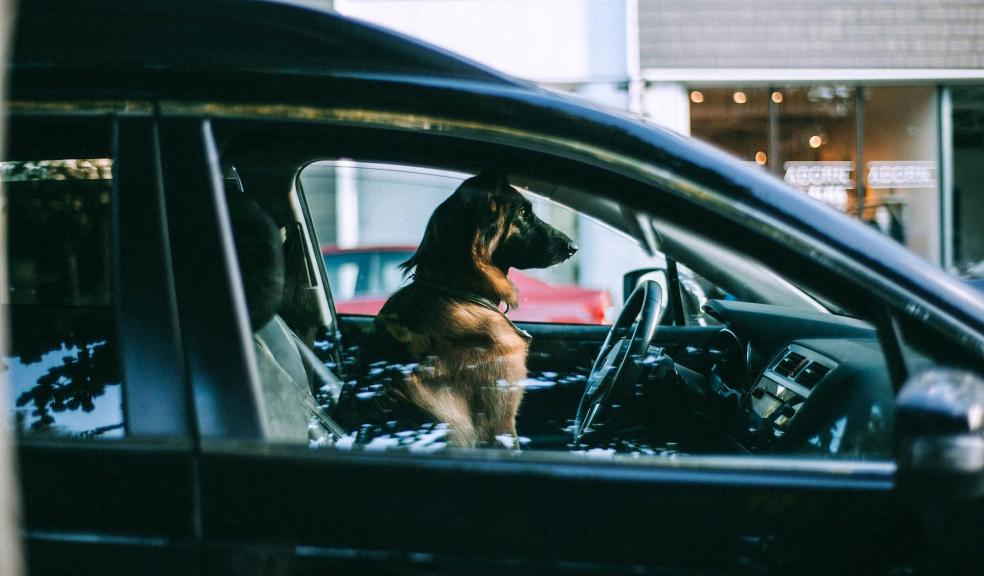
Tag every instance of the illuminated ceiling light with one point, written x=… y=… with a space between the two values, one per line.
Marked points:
x=815 y=141
x=697 y=97
x=739 y=97
x=777 y=97
x=760 y=158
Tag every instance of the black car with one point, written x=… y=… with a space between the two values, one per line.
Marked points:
x=821 y=414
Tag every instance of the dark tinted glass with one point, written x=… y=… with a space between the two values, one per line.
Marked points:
x=63 y=360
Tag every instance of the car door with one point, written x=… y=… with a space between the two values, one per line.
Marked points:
x=266 y=505
x=97 y=378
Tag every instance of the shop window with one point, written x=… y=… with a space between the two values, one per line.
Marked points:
x=901 y=133
x=63 y=363
x=968 y=180
x=808 y=135
x=817 y=141
x=735 y=119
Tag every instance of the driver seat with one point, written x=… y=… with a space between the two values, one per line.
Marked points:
x=289 y=372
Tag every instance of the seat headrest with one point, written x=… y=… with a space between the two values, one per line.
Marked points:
x=261 y=258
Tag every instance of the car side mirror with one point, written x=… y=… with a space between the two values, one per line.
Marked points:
x=940 y=434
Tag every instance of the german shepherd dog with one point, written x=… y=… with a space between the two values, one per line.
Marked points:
x=468 y=360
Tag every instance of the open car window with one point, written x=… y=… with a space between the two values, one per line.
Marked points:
x=753 y=365
x=370 y=218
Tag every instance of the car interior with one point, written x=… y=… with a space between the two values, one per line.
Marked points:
x=776 y=360
x=775 y=367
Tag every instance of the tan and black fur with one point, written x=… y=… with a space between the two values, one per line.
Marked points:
x=470 y=360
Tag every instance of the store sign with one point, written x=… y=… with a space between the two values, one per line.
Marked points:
x=828 y=182
x=890 y=174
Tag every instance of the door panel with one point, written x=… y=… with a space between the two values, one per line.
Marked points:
x=87 y=506
x=109 y=556
x=551 y=512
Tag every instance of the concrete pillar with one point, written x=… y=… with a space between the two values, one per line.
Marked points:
x=667 y=104
x=346 y=205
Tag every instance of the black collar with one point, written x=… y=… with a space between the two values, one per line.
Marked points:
x=474 y=298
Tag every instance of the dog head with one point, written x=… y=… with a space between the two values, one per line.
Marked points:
x=481 y=231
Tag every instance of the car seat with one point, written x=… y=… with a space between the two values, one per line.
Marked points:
x=289 y=372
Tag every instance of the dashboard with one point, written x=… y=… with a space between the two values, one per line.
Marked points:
x=809 y=383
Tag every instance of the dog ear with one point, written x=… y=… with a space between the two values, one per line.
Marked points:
x=480 y=191
x=449 y=234
x=482 y=199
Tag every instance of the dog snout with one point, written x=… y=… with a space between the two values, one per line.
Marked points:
x=571 y=248
x=562 y=247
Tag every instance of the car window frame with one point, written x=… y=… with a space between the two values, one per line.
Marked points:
x=236 y=115
x=239 y=470
x=153 y=381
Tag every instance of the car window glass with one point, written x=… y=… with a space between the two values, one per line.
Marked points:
x=64 y=366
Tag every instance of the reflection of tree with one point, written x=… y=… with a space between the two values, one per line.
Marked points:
x=79 y=379
x=73 y=385
x=82 y=169
x=58 y=238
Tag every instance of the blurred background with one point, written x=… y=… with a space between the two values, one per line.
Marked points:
x=874 y=107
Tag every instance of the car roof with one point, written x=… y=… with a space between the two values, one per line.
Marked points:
x=288 y=37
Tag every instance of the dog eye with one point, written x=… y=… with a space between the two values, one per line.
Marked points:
x=525 y=213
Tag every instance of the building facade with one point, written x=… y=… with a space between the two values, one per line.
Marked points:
x=875 y=107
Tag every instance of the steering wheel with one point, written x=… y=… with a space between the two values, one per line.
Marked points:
x=621 y=358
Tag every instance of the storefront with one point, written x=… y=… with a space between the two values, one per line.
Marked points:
x=870 y=151
x=965 y=107
x=876 y=108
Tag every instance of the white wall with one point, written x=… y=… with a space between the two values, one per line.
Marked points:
x=667 y=104
x=547 y=41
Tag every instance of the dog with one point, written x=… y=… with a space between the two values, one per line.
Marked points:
x=467 y=359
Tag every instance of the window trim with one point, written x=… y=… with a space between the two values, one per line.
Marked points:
x=155 y=386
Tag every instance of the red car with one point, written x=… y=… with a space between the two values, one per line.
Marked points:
x=363 y=278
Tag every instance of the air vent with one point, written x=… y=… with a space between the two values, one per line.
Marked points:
x=790 y=364
x=812 y=374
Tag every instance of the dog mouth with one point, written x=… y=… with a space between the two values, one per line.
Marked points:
x=558 y=251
